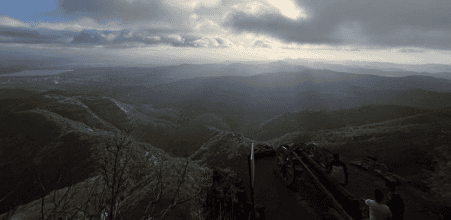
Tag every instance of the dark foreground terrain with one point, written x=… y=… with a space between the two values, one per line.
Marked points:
x=54 y=130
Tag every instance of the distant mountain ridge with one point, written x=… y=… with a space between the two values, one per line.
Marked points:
x=248 y=69
x=380 y=66
x=310 y=120
x=183 y=110
x=309 y=89
x=241 y=102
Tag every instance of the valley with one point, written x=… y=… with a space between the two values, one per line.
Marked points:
x=181 y=112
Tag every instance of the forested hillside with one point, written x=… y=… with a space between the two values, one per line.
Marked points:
x=56 y=130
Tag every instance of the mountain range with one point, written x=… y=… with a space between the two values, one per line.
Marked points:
x=197 y=111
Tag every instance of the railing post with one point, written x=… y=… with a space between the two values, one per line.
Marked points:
x=320 y=185
x=251 y=161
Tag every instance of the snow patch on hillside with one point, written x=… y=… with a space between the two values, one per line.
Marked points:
x=73 y=101
x=122 y=106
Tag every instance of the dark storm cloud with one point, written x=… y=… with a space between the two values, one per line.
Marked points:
x=279 y=27
x=416 y=23
x=112 y=39
x=88 y=37
x=25 y=35
x=223 y=42
x=155 y=37
x=219 y=40
x=129 y=39
x=230 y=2
x=261 y=44
x=19 y=32
x=129 y=12
x=411 y=51
x=139 y=21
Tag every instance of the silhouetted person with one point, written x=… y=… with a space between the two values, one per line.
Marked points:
x=353 y=209
x=260 y=212
x=446 y=213
x=338 y=169
x=395 y=203
x=378 y=211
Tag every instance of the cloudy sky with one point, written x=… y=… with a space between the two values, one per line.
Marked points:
x=141 y=31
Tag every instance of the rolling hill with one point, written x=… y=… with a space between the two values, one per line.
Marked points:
x=183 y=112
x=312 y=120
x=35 y=137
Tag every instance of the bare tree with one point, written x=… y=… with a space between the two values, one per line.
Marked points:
x=48 y=180
x=59 y=202
x=161 y=190
x=158 y=193
x=88 y=198
x=161 y=183
x=9 y=214
x=117 y=166
x=167 y=184
x=84 y=199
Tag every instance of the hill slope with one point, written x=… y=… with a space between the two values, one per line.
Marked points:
x=312 y=120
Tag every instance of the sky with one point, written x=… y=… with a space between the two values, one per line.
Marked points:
x=148 y=31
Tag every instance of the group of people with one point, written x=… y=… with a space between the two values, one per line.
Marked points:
x=393 y=210
x=338 y=170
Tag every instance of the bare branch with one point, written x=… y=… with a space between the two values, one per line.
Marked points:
x=181 y=181
x=10 y=213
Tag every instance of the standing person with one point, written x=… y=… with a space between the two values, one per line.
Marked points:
x=353 y=209
x=338 y=169
x=378 y=211
x=395 y=203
